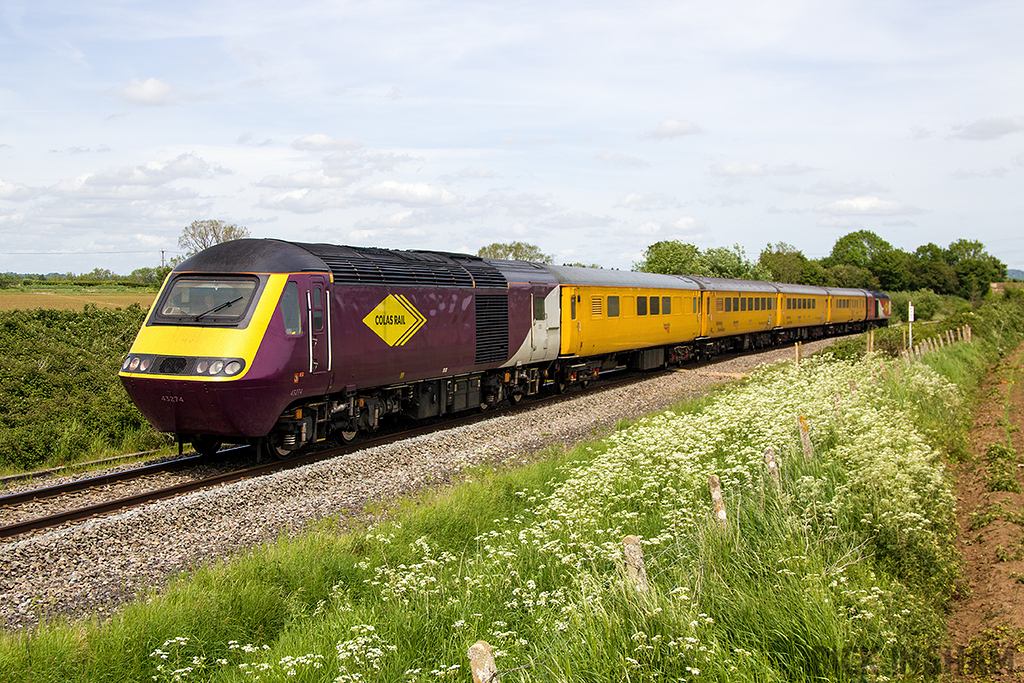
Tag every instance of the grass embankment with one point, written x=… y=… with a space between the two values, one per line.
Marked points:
x=60 y=397
x=842 y=572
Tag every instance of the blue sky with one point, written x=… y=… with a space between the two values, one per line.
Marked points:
x=591 y=129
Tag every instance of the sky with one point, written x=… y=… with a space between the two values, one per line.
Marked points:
x=591 y=129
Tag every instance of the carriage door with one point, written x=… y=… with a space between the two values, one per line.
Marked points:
x=319 y=325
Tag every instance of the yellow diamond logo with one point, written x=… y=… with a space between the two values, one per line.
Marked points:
x=395 y=320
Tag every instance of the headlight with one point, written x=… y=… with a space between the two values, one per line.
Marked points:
x=201 y=367
x=134 y=364
x=144 y=365
x=216 y=366
x=232 y=368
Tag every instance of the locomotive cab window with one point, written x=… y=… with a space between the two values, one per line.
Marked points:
x=290 y=309
x=207 y=300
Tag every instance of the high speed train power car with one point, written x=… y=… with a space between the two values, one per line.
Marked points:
x=281 y=344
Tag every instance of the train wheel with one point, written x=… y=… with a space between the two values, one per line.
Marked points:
x=516 y=397
x=206 y=445
x=270 y=448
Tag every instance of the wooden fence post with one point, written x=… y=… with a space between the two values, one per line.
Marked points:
x=715 y=484
x=871 y=341
x=805 y=438
x=796 y=347
x=635 y=567
x=481 y=662
x=773 y=467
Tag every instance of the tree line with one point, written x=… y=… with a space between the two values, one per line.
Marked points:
x=198 y=235
x=859 y=259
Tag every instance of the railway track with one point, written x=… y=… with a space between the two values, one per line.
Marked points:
x=109 y=505
x=51 y=495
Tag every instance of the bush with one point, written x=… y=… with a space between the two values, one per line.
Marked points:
x=60 y=396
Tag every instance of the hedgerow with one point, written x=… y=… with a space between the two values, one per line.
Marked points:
x=60 y=396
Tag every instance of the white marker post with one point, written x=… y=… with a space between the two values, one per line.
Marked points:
x=910 y=321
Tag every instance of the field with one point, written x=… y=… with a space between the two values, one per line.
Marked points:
x=73 y=300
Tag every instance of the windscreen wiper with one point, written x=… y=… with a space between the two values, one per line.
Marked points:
x=216 y=308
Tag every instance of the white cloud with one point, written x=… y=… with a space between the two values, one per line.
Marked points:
x=156 y=173
x=15 y=192
x=738 y=169
x=304 y=201
x=476 y=173
x=989 y=129
x=412 y=194
x=323 y=143
x=673 y=128
x=620 y=159
x=833 y=188
x=151 y=91
x=643 y=202
x=524 y=204
x=866 y=206
x=844 y=222
x=997 y=172
x=575 y=220
x=303 y=180
x=406 y=218
x=792 y=169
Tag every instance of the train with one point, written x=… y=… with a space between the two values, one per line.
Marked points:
x=282 y=344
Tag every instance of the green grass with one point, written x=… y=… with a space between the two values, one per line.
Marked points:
x=845 y=568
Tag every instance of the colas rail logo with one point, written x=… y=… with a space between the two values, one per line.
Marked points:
x=394 y=320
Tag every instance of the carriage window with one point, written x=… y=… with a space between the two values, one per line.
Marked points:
x=735 y=303
x=290 y=309
x=641 y=305
x=572 y=307
x=539 y=309
x=654 y=305
x=728 y=304
x=613 y=307
x=743 y=304
x=666 y=305
x=694 y=304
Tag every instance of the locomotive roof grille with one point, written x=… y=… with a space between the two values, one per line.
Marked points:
x=372 y=266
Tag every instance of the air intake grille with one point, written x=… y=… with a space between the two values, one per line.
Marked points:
x=172 y=366
x=491 y=328
x=371 y=266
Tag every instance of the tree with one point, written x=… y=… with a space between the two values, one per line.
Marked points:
x=851 y=276
x=732 y=263
x=514 y=251
x=201 y=235
x=671 y=258
x=784 y=263
x=858 y=248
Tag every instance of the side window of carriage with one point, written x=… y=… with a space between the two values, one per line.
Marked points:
x=290 y=310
